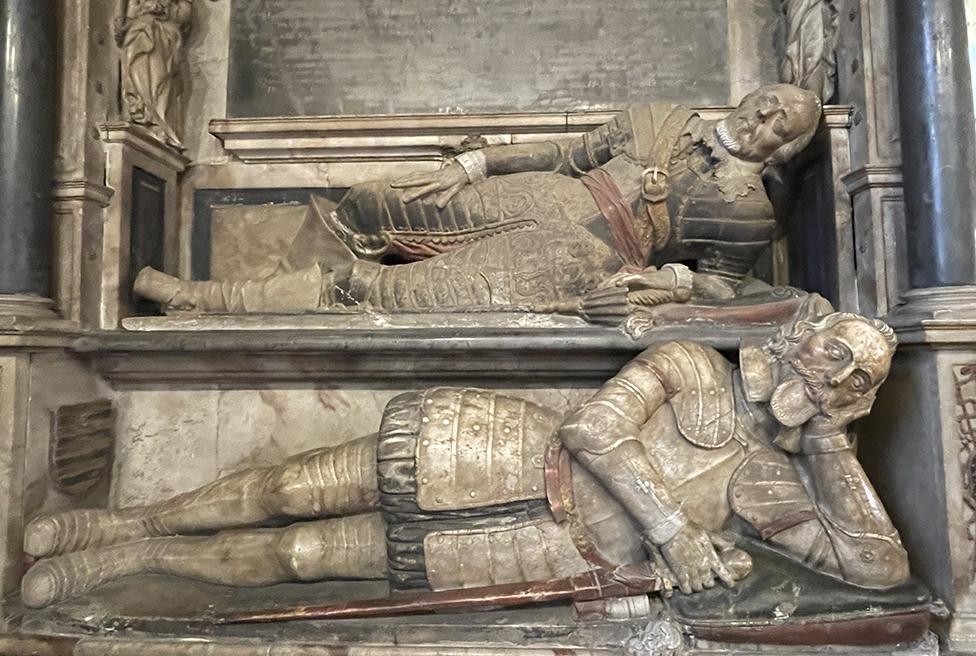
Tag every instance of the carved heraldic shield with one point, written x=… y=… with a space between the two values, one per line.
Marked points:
x=82 y=442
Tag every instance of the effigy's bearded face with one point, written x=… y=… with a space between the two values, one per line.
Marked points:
x=768 y=119
x=842 y=367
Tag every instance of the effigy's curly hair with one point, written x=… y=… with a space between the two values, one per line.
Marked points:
x=796 y=331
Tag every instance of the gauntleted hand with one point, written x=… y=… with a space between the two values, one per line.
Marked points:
x=695 y=564
x=624 y=293
x=448 y=180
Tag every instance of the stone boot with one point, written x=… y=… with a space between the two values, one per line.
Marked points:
x=63 y=577
x=75 y=530
x=294 y=292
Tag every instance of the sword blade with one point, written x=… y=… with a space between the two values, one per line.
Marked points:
x=595 y=584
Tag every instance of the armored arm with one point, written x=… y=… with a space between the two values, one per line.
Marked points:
x=864 y=542
x=603 y=436
x=574 y=157
x=569 y=157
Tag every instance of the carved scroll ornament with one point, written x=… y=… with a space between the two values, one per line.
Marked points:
x=965 y=384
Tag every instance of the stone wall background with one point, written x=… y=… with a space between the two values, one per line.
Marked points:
x=172 y=441
x=704 y=52
x=306 y=58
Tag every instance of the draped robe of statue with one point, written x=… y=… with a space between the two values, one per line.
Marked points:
x=151 y=45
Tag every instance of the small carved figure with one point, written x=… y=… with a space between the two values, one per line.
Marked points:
x=525 y=226
x=150 y=37
x=677 y=454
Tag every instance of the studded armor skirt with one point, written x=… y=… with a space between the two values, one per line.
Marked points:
x=462 y=491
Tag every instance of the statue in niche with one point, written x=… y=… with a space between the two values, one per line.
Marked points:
x=810 y=57
x=578 y=226
x=682 y=455
x=150 y=37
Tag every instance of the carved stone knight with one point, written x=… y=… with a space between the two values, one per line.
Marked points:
x=676 y=454
x=522 y=226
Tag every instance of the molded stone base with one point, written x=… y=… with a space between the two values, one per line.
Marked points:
x=109 y=646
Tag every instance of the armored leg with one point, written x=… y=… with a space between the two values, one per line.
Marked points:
x=376 y=221
x=321 y=483
x=298 y=291
x=346 y=547
x=513 y=271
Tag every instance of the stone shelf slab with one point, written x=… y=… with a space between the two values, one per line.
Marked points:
x=235 y=352
x=121 y=620
x=407 y=137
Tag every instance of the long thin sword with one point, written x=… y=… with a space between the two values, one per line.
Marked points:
x=623 y=581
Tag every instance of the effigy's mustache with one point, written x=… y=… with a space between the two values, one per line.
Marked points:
x=810 y=378
x=815 y=388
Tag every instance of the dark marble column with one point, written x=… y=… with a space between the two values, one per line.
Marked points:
x=937 y=139
x=28 y=52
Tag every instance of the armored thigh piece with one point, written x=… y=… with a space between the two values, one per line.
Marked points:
x=373 y=213
x=514 y=270
x=461 y=472
x=767 y=493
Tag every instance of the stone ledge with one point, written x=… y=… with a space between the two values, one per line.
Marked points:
x=308 y=350
x=203 y=646
x=408 y=137
x=938 y=317
x=138 y=138
x=33 y=325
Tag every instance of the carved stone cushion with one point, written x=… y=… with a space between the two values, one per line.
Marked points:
x=783 y=602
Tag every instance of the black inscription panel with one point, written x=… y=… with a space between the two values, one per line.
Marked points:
x=315 y=57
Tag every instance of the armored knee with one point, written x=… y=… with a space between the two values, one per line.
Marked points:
x=288 y=493
x=300 y=553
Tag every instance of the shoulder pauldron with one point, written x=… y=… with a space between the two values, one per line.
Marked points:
x=701 y=383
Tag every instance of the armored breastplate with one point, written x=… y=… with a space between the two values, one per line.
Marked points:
x=723 y=223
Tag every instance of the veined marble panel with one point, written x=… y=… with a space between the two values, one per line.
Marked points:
x=248 y=242
x=203 y=435
x=165 y=445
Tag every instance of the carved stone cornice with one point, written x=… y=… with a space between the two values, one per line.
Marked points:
x=487 y=644
x=873 y=176
x=936 y=317
x=141 y=140
x=82 y=190
x=29 y=323
x=408 y=137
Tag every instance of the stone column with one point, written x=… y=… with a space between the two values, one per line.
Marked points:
x=27 y=131
x=938 y=143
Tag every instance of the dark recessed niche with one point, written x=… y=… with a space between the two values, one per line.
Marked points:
x=147 y=234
